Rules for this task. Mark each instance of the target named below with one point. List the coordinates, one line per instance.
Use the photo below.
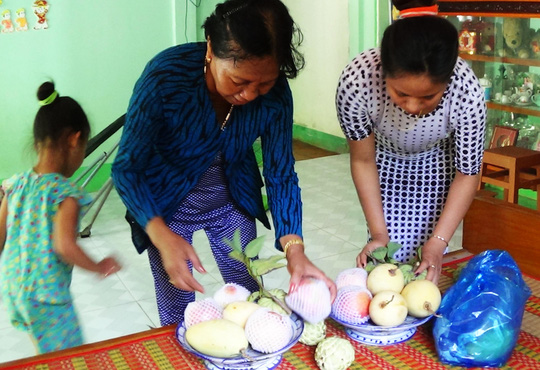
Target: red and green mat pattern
(162, 351)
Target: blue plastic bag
(481, 313)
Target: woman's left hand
(432, 256)
(300, 267)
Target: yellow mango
(217, 338)
(238, 312)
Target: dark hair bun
(45, 90)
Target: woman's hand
(108, 266)
(361, 259)
(432, 256)
(175, 252)
(300, 267)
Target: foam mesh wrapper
(268, 331)
(348, 306)
(353, 276)
(311, 300)
(202, 310)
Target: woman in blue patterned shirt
(186, 159)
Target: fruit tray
(252, 360)
(377, 335)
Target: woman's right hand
(108, 266)
(175, 253)
(361, 259)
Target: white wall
(94, 51)
(326, 50)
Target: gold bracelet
(292, 242)
(440, 238)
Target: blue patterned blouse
(171, 136)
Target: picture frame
(503, 136)
(536, 145)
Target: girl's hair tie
(50, 99)
(419, 12)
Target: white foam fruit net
(202, 310)
(311, 300)
(353, 276)
(268, 331)
(231, 292)
(352, 304)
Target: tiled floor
(334, 231)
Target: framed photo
(536, 145)
(503, 136)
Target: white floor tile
(115, 321)
(124, 303)
(15, 344)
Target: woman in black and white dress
(414, 116)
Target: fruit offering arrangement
(238, 329)
(229, 325)
(385, 298)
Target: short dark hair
(59, 118)
(243, 29)
(418, 45)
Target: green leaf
(252, 267)
(263, 271)
(419, 253)
(378, 254)
(265, 265)
(369, 266)
(239, 256)
(392, 247)
(235, 243)
(275, 258)
(254, 247)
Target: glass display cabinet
(501, 41)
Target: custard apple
(269, 303)
(313, 333)
(334, 353)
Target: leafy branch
(257, 267)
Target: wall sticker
(41, 8)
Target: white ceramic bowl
(376, 335)
(253, 359)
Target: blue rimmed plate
(377, 335)
(252, 360)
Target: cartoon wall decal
(20, 20)
(40, 8)
(7, 24)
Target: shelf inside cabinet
(531, 110)
(507, 60)
(491, 8)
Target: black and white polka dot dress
(416, 157)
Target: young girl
(39, 218)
